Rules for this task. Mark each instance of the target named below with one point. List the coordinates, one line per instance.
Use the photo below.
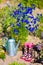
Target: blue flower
(16, 12)
(19, 5)
(22, 8)
(18, 24)
(18, 18)
(31, 29)
(37, 19)
(34, 22)
(34, 19)
(33, 4)
(28, 10)
(23, 20)
(20, 13)
(30, 17)
(26, 21)
(13, 15)
(15, 31)
(40, 14)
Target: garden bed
(30, 38)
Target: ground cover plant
(2, 55)
(16, 63)
(37, 3)
(40, 28)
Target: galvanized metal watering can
(11, 47)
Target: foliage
(0, 1)
(40, 28)
(16, 63)
(1, 28)
(8, 24)
(6, 19)
(37, 3)
(22, 33)
(2, 55)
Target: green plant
(16, 63)
(40, 28)
(37, 3)
(6, 20)
(2, 55)
(22, 33)
(0, 1)
(1, 28)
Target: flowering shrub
(16, 23)
(24, 15)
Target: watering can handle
(5, 39)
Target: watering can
(11, 47)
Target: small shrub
(2, 55)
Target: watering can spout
(18, 45)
